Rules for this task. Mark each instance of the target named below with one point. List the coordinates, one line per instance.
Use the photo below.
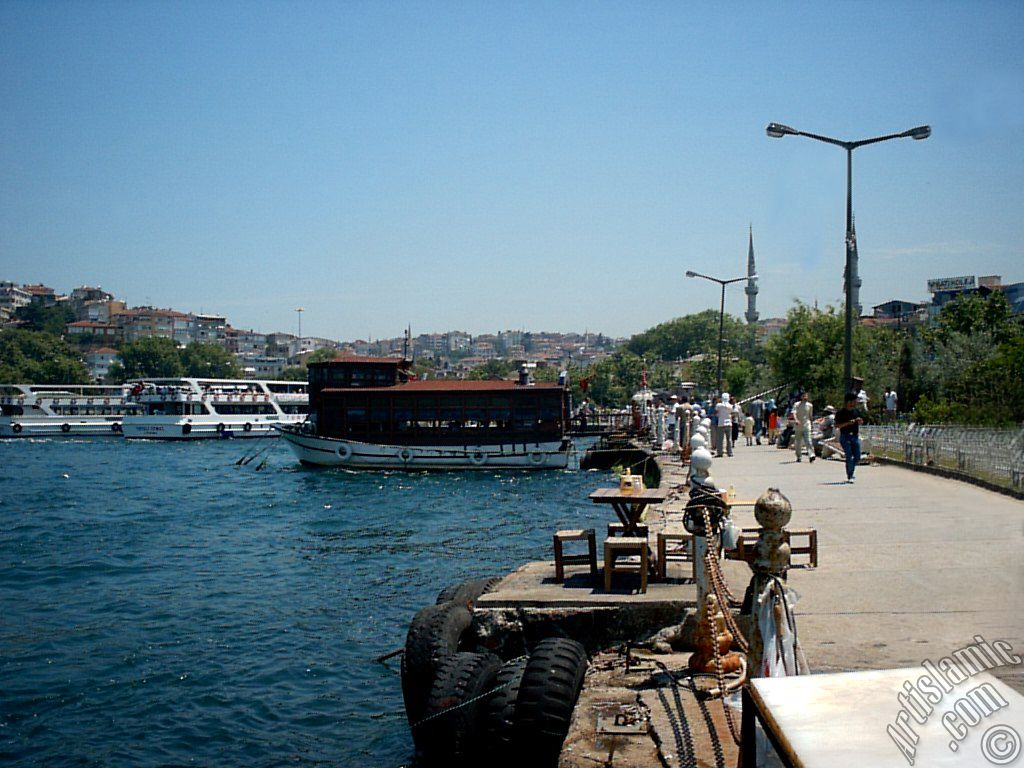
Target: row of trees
(40, 357)
(966, 367)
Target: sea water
(161, 604)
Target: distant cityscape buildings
(102, 323)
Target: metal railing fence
(993, 455)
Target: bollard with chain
(771, 561)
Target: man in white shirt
(891, 401)
(803, 412)
(723, 430)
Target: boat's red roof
(449, 385)
(361, 360)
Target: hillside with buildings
(99, 324)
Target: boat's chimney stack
(524, 374)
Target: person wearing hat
(826, 443)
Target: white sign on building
(963, 283)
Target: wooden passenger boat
(370, 413)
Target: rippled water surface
(160, 605)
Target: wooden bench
(683, 551)
(626, 547)
(589, 558)
(745, 550)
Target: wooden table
(839, 720)
(630, 505)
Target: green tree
(808, 352)
(973, 315)
(52, 320)
(492, 369)
(209, 361)
(31, 357)
(738, 377)
(322, 355)
(150, 358)
(294, 373)
(691, 334)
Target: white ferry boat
(196, 409)
(63, 410)
(369, 413)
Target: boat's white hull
(330, 452)
(193, 428)
(69, 426)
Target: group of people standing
(763, 419)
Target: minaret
(854, 259)
(751, 289)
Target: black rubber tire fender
(456, 737)
(547, 696)
(434, 633)
(467, 591)
(499, 713)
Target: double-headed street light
(777, 131)
(721, 312)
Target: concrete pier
(912, 567)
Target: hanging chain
(719, 586)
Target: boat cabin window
(175, 409)
(243, 409)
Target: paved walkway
(912, 566)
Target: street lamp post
(777, 131)
(721, 313)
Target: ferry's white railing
(986, 453)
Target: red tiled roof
(449, 385)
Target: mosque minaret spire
(751, 289)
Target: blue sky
(484, 165)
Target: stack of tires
(467, 707)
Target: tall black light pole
(721, 313)
(777, 131)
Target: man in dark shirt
(848, 421)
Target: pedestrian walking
(723, 429)
(803, 412)
(773, 425)
(848, 420)
(748, 430)
(757, 412)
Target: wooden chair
(618, 529)
(562, 559)
(683, 551)
(808, 546)
(625, 547)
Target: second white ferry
(63, 410)
(196, 409)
